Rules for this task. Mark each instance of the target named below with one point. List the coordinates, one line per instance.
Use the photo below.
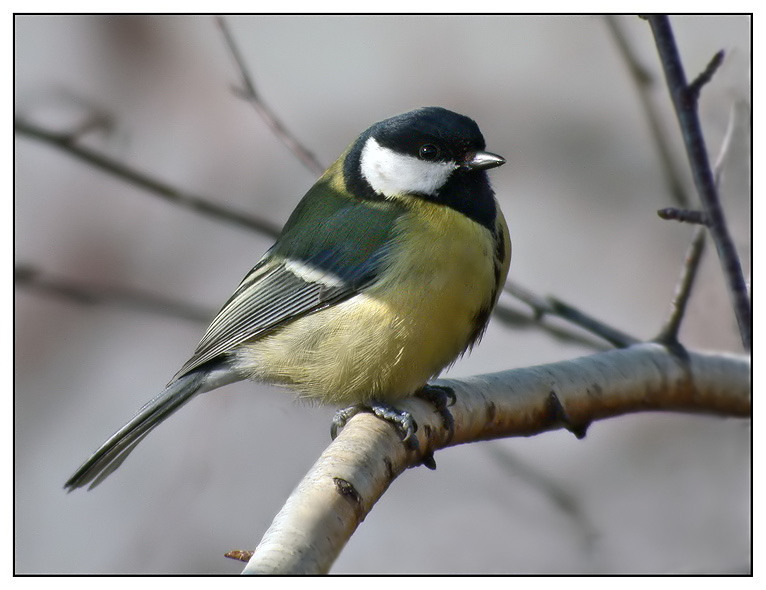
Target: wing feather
(332, 247)
(275, 293)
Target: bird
(384, 274)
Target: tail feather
(114, 451)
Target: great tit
(385, 273)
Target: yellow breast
(386, 342)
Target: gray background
(650, 492)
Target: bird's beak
(482, 161)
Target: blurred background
(646, 493)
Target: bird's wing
(321, 259)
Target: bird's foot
(441, 398)
(401, 420)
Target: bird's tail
(114, 451)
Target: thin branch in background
(644, 83)
(552, 306)
(612, 335)
(521, 320)
(684, 215)
(684, 98)
(35, 280)
(669, 333)
(97, 121)
(563, 499)
(67, 143)
(248, 92)
(93, 117)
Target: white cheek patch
(390, 173)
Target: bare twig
(67, 143)
(695, 216)
(684, 99)
(35, 280)
(684, 215)
(669, 333)
(705, 76)
(562, 498)
(98, 121)
(524, 320)
(249, 93)
(612, 335)
(552, 306)
(644, 83)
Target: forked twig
(684, 97)
(248, 92)
(552, 306)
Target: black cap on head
(454, 134)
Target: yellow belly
(386, 342)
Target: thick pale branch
(355, 470)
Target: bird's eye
(428, 152)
